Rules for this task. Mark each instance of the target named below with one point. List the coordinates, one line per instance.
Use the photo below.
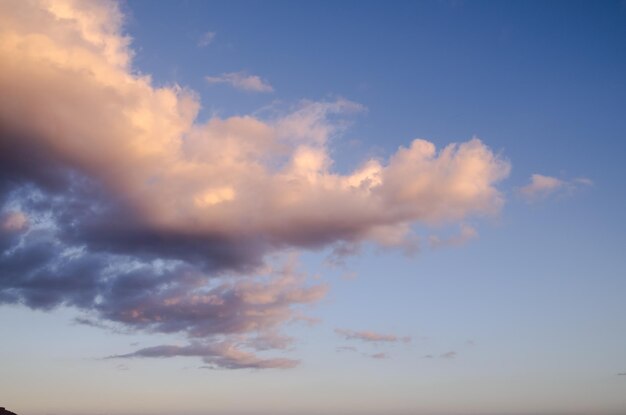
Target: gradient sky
(312, 208)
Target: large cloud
(116, 200)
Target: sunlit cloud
(13, 221)
(541, 186)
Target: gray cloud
(449, 355)
(217, 355)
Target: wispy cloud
(339, 253)
(541, 186)
(449, 355)
(346, 349)
(241, 81)
(217, 355)
(370, 336)
(465, 234)
(206, 39)
(379, 356)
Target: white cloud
(242, 81)
(206, 39)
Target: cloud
(379, 356)
(217, 355)
(341, 251)
(541, 186)
(117, 201)
(448, 355)
(242, 81)
(13, 222)
(206, 39)
(89, 322)
(465, 234)
(370, 336)
(346, 349)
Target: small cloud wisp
(241, 81)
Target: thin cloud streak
(541, 187)
(370, 336)
(217, 355)
(241, 81)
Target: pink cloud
(541, 186)
(370, 336)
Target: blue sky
(211, 241)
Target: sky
(311, 208)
